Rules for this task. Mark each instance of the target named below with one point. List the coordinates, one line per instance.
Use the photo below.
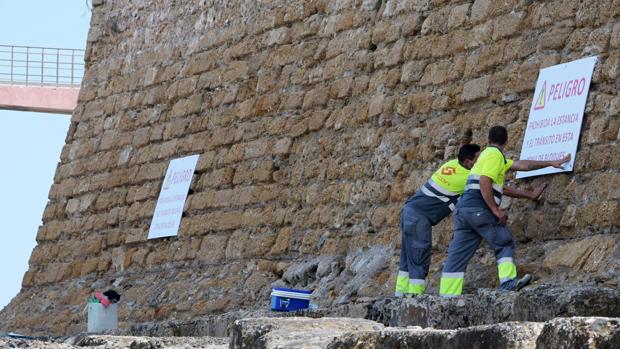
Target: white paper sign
(556, 114)
(169, 208)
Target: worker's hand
(500, 214)
(560, 163)
(535, 194)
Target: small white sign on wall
(169, 208)
(556, 114)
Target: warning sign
(556, 114)
(540, 101)
(169, 207)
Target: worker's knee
(421, 256)
(502, 237)
(422, 237)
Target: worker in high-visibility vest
(478, 216)
(428, 206)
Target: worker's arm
(486, 188)
(530, 165)
(532, 195)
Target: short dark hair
(468, 152)
(498, 135)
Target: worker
(478, 216)
(428, 206)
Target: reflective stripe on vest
(473, 183)
(432, 189)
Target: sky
(30, 143)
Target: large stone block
(588, 255)
(580, 332)
(293, 332)
(546, 302)
(504, 335)
(537, 304)
(475, 89)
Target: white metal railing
(41, 66)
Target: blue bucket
(286, 299)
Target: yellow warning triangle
(540, 102)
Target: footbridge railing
(41, 66)
(40, 79)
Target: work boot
(516, 285)
(524, 281)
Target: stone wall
(314, 121)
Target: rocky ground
(483, 307)
(101, 342)
(539, 317)
(344, 333)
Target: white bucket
(102, 319)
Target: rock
(588, 255)
(394, 338)
(537, 304)
(547, 301)
(475, 89)
(503, 335)
(103, 342)
(576, 332)
(580, 332)
(484, 307)
(298, 332)
(344, 333)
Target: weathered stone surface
(334, 333)
(545, 302)
(485, 307)
(504, 335)
(589, 255)
(580, 332)
(575, 332)
(212, 325)
(535, 304)
(475, 89)
(101, 342)
(294, 332)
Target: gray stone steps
(576, 332)
(350, 333)
(536, 304)
(117, 342)
(484, 307)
